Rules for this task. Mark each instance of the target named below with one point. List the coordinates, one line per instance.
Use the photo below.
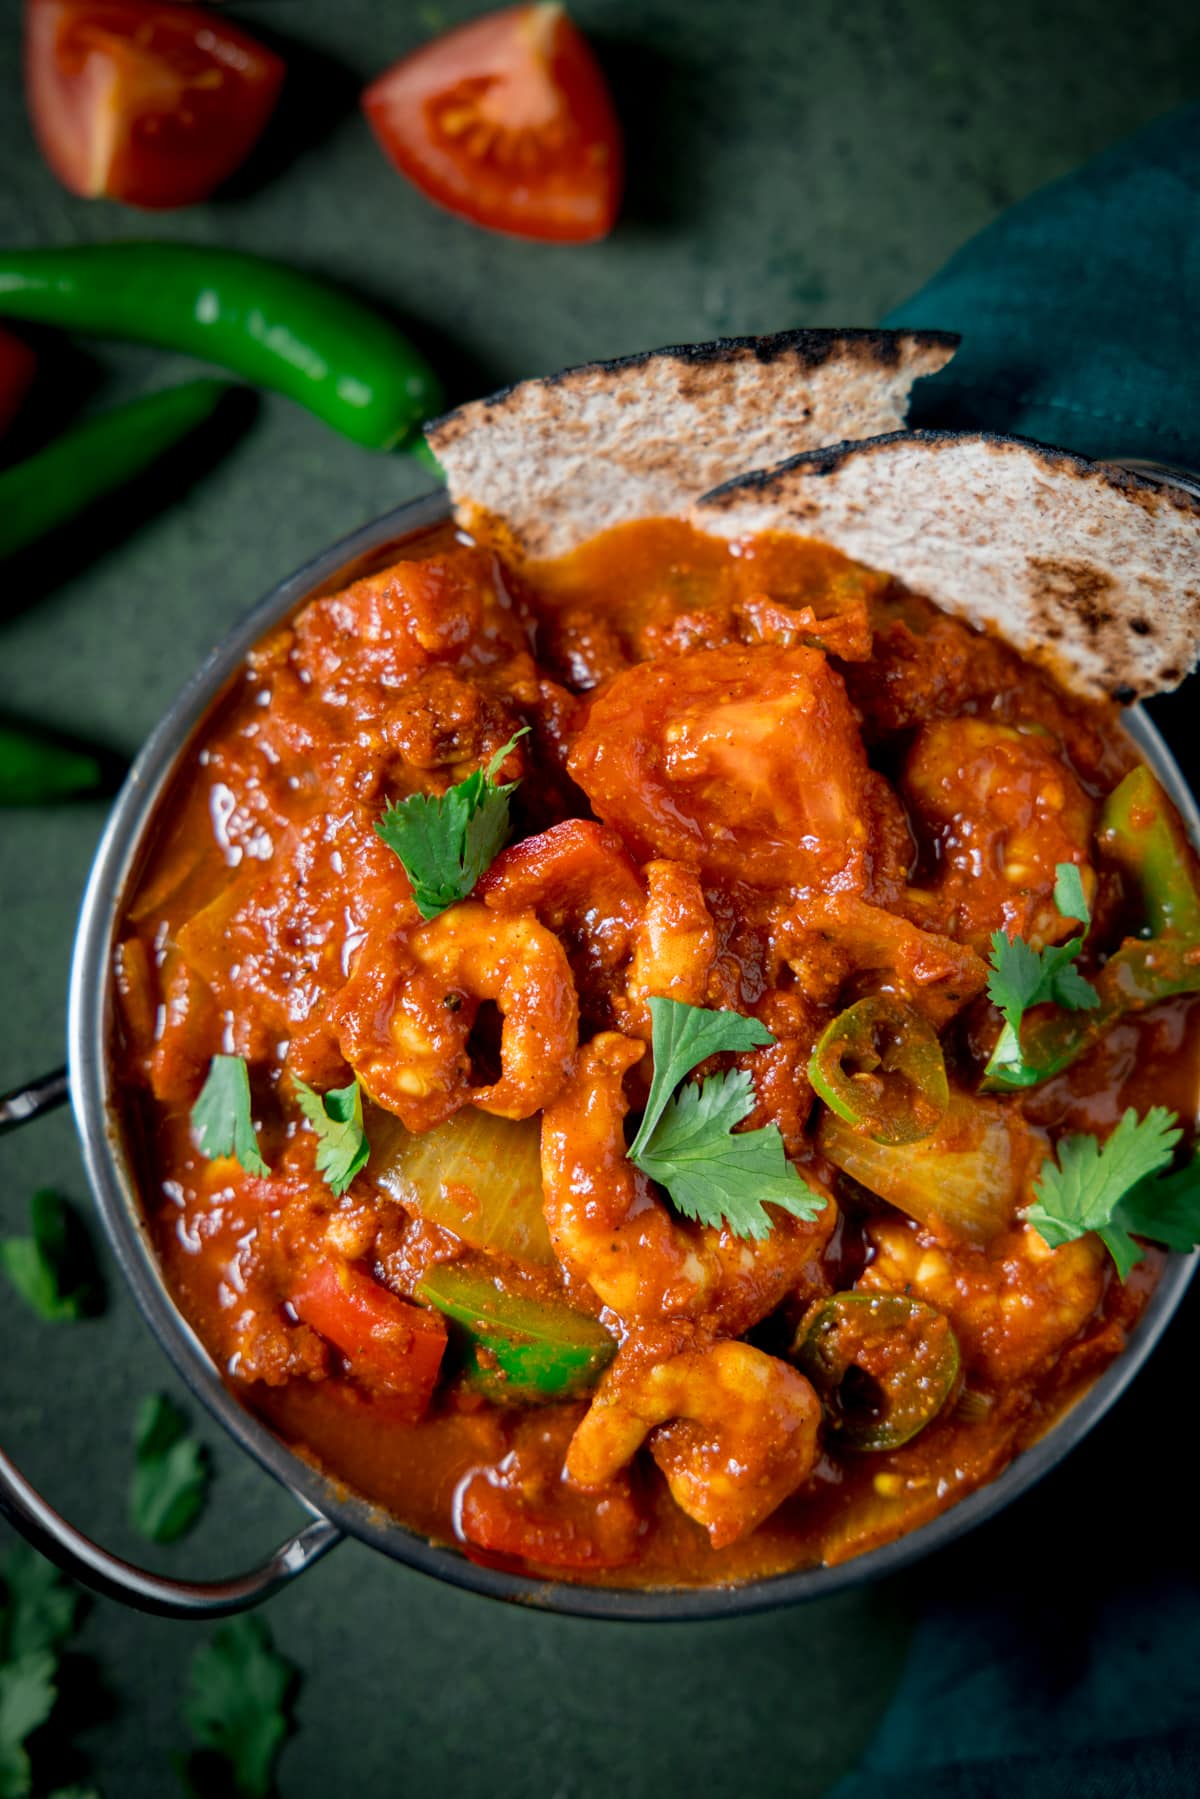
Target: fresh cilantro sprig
(1022, 977)
(687, 1142)
(237, 1708)
(170, 1473)
(337, 1119)
(222, 1118)
(446, 841)
(53, 1269)
(1109, 1188)
(1165, 1208)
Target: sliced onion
(966, 1177)
(477, 1175)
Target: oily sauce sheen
(756, 778)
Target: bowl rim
(88, 1028)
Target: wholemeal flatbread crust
(560, 459)
(1084, 567)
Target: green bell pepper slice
(1141, 832)
(879, 1066)
(517, 1348)
(884, 1365)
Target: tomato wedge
(508, 122)
(392, 1347)
(148, 103)
(17, 364)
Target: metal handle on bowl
(94, 1567)
(29, 1102)
(84, 1560)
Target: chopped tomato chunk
(147, 103)
(390, 1345)
(508, 122)
(522, 1509)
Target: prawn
(405, 1016)
(998, 810)
(610, 1229)
(733, 1429)
(580, 881)
(675, 945)
(1013, 1305)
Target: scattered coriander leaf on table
(27, 1695)
(170, 1475)
(39, 1611)
(39, 1608)
(237, 1704)
(1022, 977)
(1082, 1191)
(447, 841)
(53, 1269)
(337, 1118)
(688, 1144)
(222, 1117)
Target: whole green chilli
(270, 324)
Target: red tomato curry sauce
(755, 779)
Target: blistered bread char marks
(563, 458)
(1090, 569)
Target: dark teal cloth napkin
(1080, 308)
(1057, 1649)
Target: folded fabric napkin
(1057, 1653)
(1080, 308)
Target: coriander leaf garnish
(338, 1121)
(1083, 1191)
(221, 1117)
(170, 1475)
(1069, 896)
(53, 1269)
(1022, 977)
(687, 1143)
(447, 841)
(683, 1036)
(237, 1703)
(1165, 1208)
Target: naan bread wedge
(558, 460)
(1089, 569)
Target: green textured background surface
(788, 166)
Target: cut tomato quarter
(148, 103)
(508, 122)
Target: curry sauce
(752, 778)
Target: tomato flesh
(17, 364)
(392, 1347)
(508, 122)
(148, 103)
(523, 1510)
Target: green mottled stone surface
(790, 164)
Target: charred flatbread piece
(560, 459)
(1084, 567)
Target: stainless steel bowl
(333, 1513)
